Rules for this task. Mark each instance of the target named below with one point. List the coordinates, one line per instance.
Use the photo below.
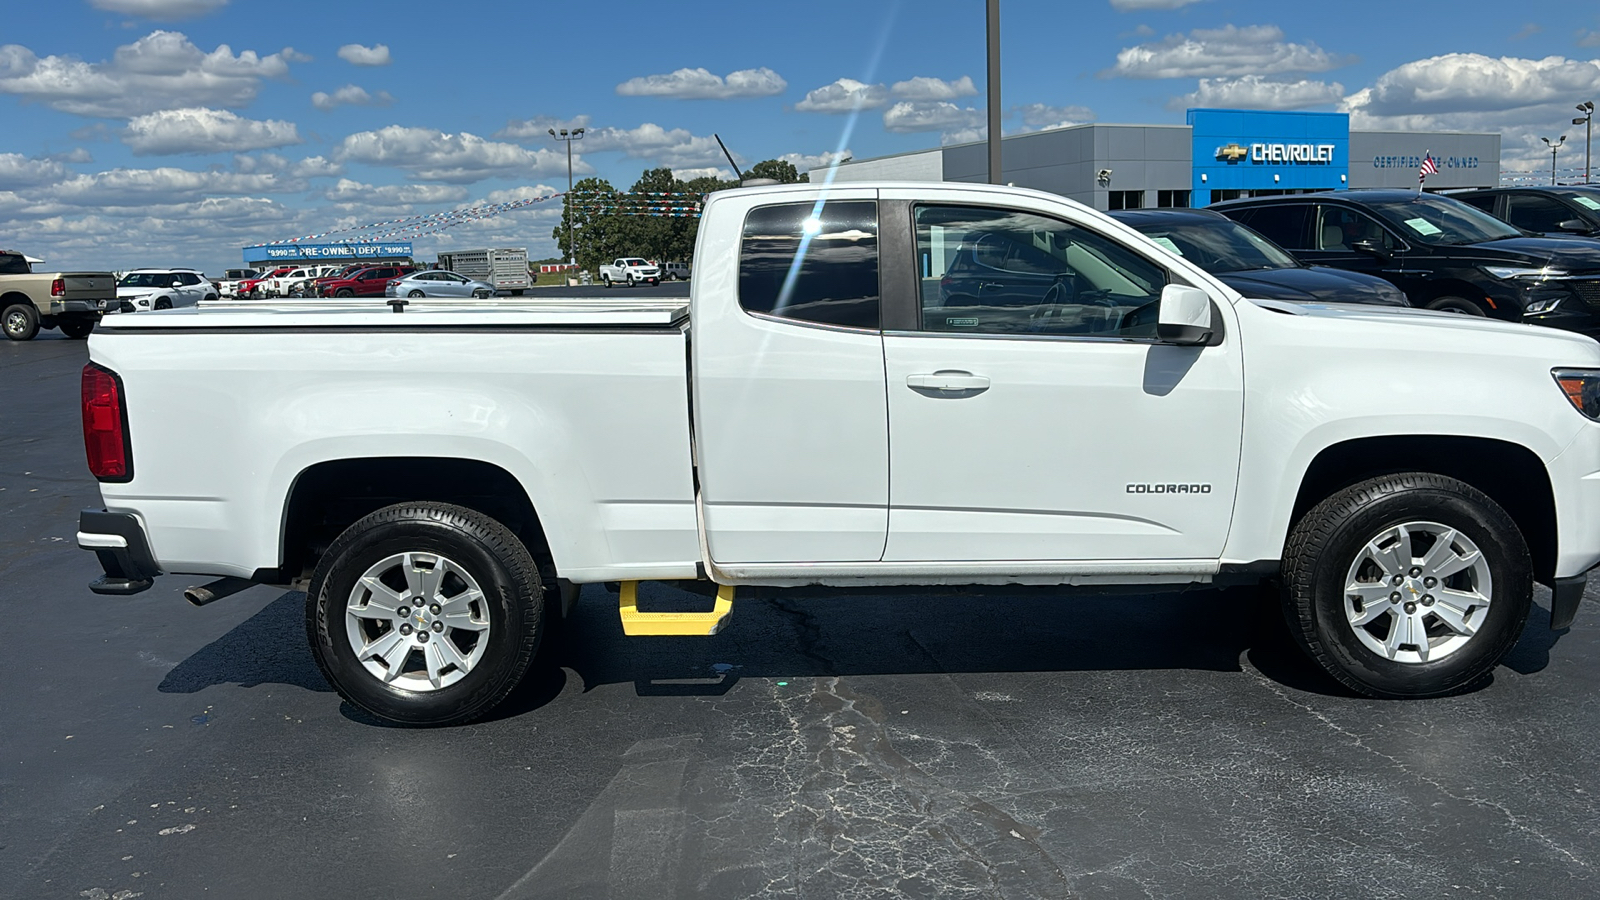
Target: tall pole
(994, 91)
(567, 138)
(1587, 108)
(1554, 146)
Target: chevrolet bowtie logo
(1232, 152)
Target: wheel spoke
(448, 654)
(1396, 558)
(381, 646)
(1402, 631)
(1370, 593)
(1368, 614)
(1452, 607)
(1457, 563)
(457, 612)
(435, 662)
(381, 603)
(1441, 552)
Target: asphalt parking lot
(961, 743)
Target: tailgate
(88, 285)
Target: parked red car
(346, 272)
(368, 282)
(247, 288)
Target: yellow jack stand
(635, 622)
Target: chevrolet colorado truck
(629, 271)
(830, 408)
(71, 301)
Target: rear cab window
(812, 262)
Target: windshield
(1218, 246)
(1588, 198)
(634, 262)
(1441, 221)
(146, 279)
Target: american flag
(1428, 168)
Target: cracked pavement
(962, 743)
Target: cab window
(1340, 229)
(997, 271)
(1537, 213)
(812, 262)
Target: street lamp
(567, 138)
(993, 21)
(1587, 121)
(1553, 148)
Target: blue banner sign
(378, 250)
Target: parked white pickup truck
(630, 271)
(897, 384)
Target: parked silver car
(437, 283)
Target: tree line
(603, 231)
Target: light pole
(994, 90)
(1553, 148)
(1587, 121)
(567, 138)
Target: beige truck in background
(70, 301)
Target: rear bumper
(119, 541)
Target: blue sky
(173, 132)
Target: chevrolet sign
(1232, 153)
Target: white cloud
(526, 192)
(1042, 116)
(909, 116)
(165, 10)
(350, 95)
(964, 135)
(1255, 92)
(162, 70)
(201, 130)
(843, 96)
(701, 84)
(18, 171)
(1223, 52)
(1587, 38)
(806, 162)
(1137, 5)
(538, 127)
(290, 54)
(722, 172)
(431, 155)
(166, 185)
(392, 196)
(75, 155)
(925, 88)
(357, 55)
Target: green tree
(781, 171)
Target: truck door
(1055, 430)
(791, 420)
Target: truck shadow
(819, 632)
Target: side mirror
(177, 283)
(1185, 316)
(1575, 226)
(1372, 247)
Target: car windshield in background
(1220, 246)
(635, 262)
(1588, 198)
(1430, 220)
(146, 279)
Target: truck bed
(584, 403)
(601, 311)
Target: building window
(1125, 200)
(1172, 199)
(1228, 194)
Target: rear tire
(1457, 305)
(20, 321)
(488, 594)
(415, 294)
(344, 292)
(1410, 585)
(606, 280)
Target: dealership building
(1221, 154)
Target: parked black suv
(1251, 264)
(1547, 209)
(1443, 253)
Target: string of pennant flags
(674, 204)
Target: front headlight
(1582, 387)
(1523, 272)
(1541, 306)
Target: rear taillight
(58, 287)
(105, 425)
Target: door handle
(948, 380)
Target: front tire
(163, 303)
(77, 329)
(20, 321)
(415, 294)
(1457, 305)
(425, 613)
(344, 292)
(1406, 586)
(606, 280)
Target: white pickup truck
(896, 384)
(630, 270)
